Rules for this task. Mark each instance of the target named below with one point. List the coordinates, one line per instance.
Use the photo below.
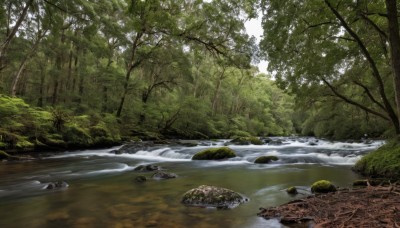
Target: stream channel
(102, 190)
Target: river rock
(147, 168)
(134, 147)
(246, 141)
(211, 196)
(57, 185)
(215, 154)
(163, 175)
(265, 159)
(140, 179)
(323, 186)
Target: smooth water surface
(102, 191)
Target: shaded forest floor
(361, 207)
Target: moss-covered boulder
(246, 141)
(384, 162)
(292, 190)
(211, 196)
(215, 154)
(323, 186)
(265, 159)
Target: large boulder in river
(265, 159)
(211, 196)
(215, 154)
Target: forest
(95, 73)
(105, 104)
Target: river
(102, 191)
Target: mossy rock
(247, 141)
(292, 190)
(323, 186)
(215, 154)
(384, 162)
(265, 159)
(211, 196)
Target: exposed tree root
(367, 207)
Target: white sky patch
(254, 28)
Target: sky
(253, 28)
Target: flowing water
(102, 191)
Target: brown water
(102, 191)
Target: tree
(342, 45)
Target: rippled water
(102, 191)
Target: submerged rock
(323, 186)
(211, 196)
(147, 168)
(215, 154)
(163, 175)
(57, 185)
(265, 159)
(140, 179)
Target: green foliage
(322, 186)
(265, 159)
(384, 162)
(214, 154)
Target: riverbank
(372, 206)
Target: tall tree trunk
(11, 35)
(133, 63)
(41, 89)
(394, 40)
(24, 62)
(216, 92)
(18, 77)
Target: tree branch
(375, 72)
(344, 98)
(368, 92)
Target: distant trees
(172, 67)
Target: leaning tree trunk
(394, 40)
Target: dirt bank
(363, 207)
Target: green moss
(215, 154)
(322, 186)
(77, 136)
(384, 162)
(292, 190)
(24, 144)
(98, 131)
(265, 159)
